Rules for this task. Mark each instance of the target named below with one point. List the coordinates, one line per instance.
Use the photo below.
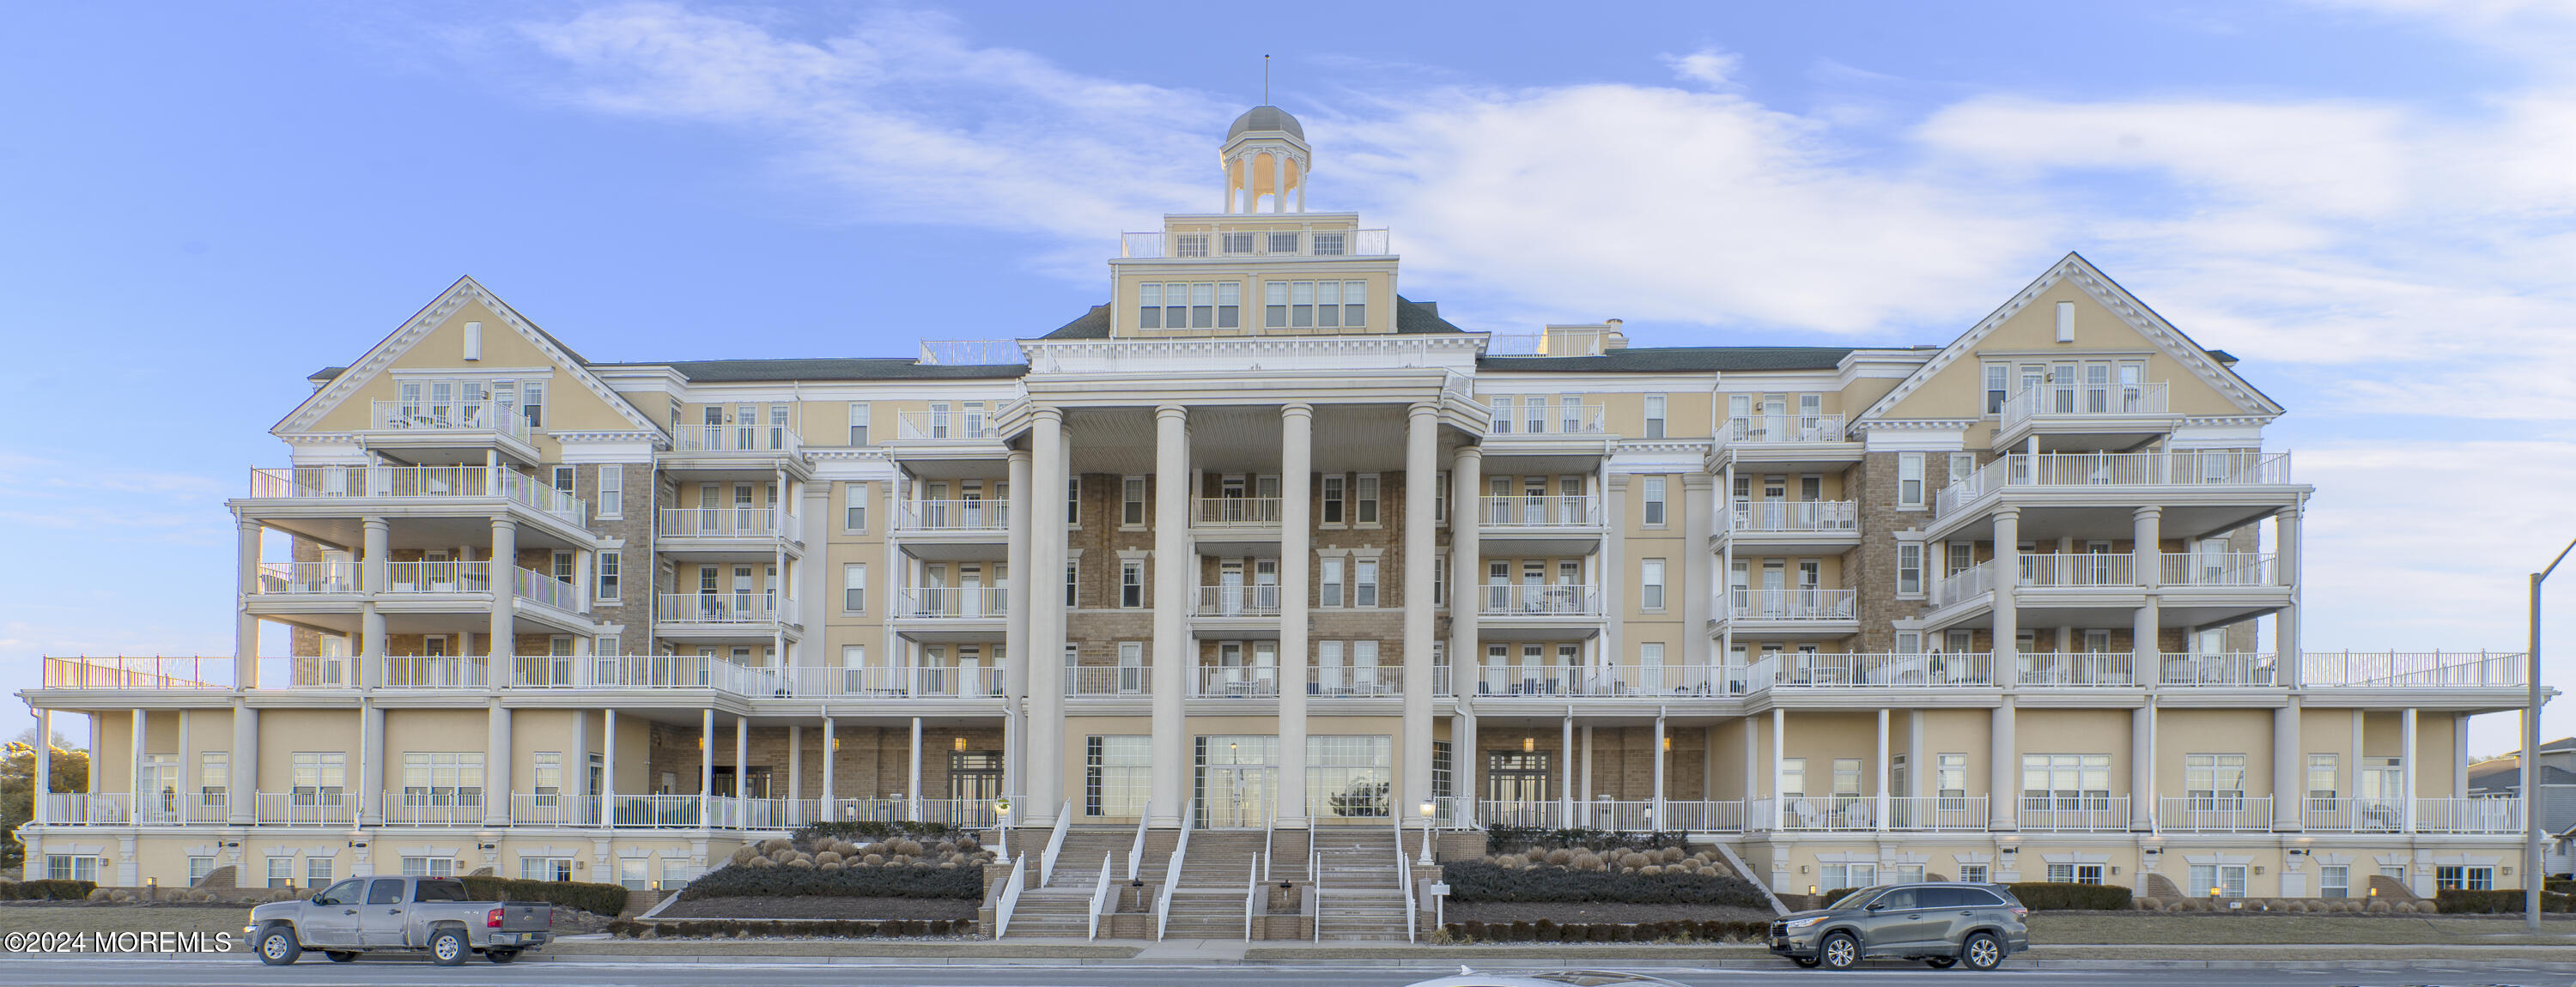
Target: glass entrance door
(1236, 779)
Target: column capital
(2013, 513)
(1423, 409)
(1698, 481)
(1468, 452)
(1019, 456)
(500, 521)
(1162, 411)
(375, 523)
(1057, 414)
(2149, 511)
(1298, 408)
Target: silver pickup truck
(409, 914)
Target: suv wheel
(277, 947)
(1839, 951)
(1983, 952)
(447, 947)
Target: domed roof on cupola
(1265, 118)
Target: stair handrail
(1404, 875)
(1267, 829)
(1055, 844)
(1251, 892)
(1100, 893)
(1172, 876)
(1315, 882)
(1010, 898)
(1136, 850)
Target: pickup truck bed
(399, 914)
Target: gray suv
(1940, 924)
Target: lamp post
(1427, 809)
(2533, 876)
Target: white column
(497, 754)
(1045, 660)
(607, 767)
(1567, 778)
(2142, 766)
(2003, 771)
(1884, 802)
(706, 765)
(742, 760)
(795, 774)
(373, 541)
(1752, 770)
(1296, 532)
(1779, 759)
(1018, 662)
(1585, 768)
(2289, 778)
(505, 581)
(1278, 182)
(245, 624)
(832, 759)
(912, 781)
(242, 798)
(2406, 773)
(2285, 624)
(1658, 821)
(1421, 477)
(1915, 766)
(134, 767)
(44, 778)
(1466, 548)
(1464, 762)
(2007, 657)
(2147, 556)
(1172, 575)
(371, 764)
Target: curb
(1508, 963)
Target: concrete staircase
(1361, 896)
(1061, 910)
(1208, 904)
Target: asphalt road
(246, 972)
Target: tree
(18, 791)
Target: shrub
(1514, 839)
(858, 882)
(597, 899)
(46, 890)
(2044, 897)
(1471, 880)
(2458, 902)
(873, 830)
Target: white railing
(1109, 680)
(1258, 600)
(544, 809)
(1801, 670)
(901, 681)
(180, 672)
(2412, 669)
(1315, 889)
(438, 577)
(971, 352)
(434, 808)
(2078, 670)
(2219, 569)
(1172, 874)
(2087, 814)
(656, 811)
(2092, 469)
(946, 426)
(1936, 813)
(1643, 681)
(1830, 812)
(743, 607)
(407, 482)
(2075, 399)
(1211, 243)
(1964, 585)
(1099, 898)
(437, 672)
(1549, 814)
(2059, 571)
(2343, 815)
(2216, 671)
(2487, 814)
(1237, 512)
(726, 522)
(970, 514)
(953, 602)
(1136, 850)
(1539, 511)
(1795, 516)
(1789, 604)
(83, 809)
(323, 807)
(1535, 415)
(1404, 873)
(2229, 813)
(1234, 682)
(1055, 844)
(302, 578)
(1526, 600)
(1702, 815)
(736, 438)
(475, 416)
(1616, 815)
(1252, 892)
(545, 590)
(1783, 427)
(1349, 681)
(1010, 899)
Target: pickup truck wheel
(340, 955)
(277, 947)
(447, 947)
(501, 955)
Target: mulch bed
(1612, 913)
(822, 906)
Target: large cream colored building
(1982, 610)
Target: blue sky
(2368, 201)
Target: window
(1950, 776)
(1364, 491)
(1972, 873)
(1072, 583)
(1347, 776)
(1793, 777)
(1117, 775)
(606, 577)
(214, 778)
(1236, 243)
(561, 563)
(532, 403)
(1190, 245)
(1650, 578)
(1331, 594)
(1909, 479)
(1186, 305)
(1836, 877)
(1998, 383)
(2452, 877)
(1364, 582)
(546, 779)
(1313, 304)
(612, 490)
(317, 871)
(2214, 781)
(563, 478)
(2075, 873)
(1073, 501)
(607, 644)
(1502, 414)
(1963, 555)
(545, 868)
(2065, 782)
(424, 867)
(443, 778)
(854, 587)
(1333, 499)
(2321, 782)
(1654, 502)
(1909, 568)
(1131, 584)
(1131, 506)
(2334, 881)
(859, 423)
(2223, 880)
(2066, 322)
(854, 507)
(1330, 244)
(281, 872)
(317, 777)
(1654, 416)
(1847, 776)
(1283, 243)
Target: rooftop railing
(1152, 244)
(2077, 400)
(2412, 669)
(450, 416)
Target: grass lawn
(2150, 928)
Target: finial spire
(1265, 80)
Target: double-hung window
(1909, 568)
(1334, 499)
(612, 490)
(1315, 304)
(858, 423)
(1654, 486)
(1364, 492)
(1909, 479)
(1132, 502)
(1364, 582)
(1131, 584)
(1330, 594)
(2334, 881)
(2075, 873)
(1654, 416)
(1650, 578)
(854, 587)
(854, 510)
(2214, 782)
(604, 573)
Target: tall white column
(607, 767)
(1296, 552)
(1567, 780)
(43, 783)
(2007, 652)
(1421, 479)
(2285, 624)
(831, 760)
(1172, 576)
(497, 755)
(2003, 770)
(706, 765)
(371, 763)
(1018, 663)
(1779, 759)
(1048, 476)
(1466, 515)
(2289, 778)
(1590, 791)
(912, 783)
(795, 774)
(241, 799)
(742, 765)
(2142, 766)
(1884, 801)
(1659, 822)
(2147, 557)
(1278, 183)
(134, 766)
(505, 579)
(375, 536)
(1751, 783)
(2406, 773)
(245, 624)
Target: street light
(1427, 809)
(2533, 874)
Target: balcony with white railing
(1333, 241)
(1518, 600)
(553, 809)
(962, 425)
(760, 523)
(327, 806)
(1258, 600)
(1535, 417)
(426, 578)
(1817, 606)
(1809, 670)
(449, 418)
(1236, 512)
(2077, 571)
(1108, 681)
(2076, 813)
(430, 807)
(1505, 514)
(307, 578)
(2053, 471)
(1355, 681)
(2217, 671)
(2343, 815)
(1764, 517)
(2051, 670)
(1936, 813)
(724, 610)
(2412, 669)
(2225, 812)
(1757, 431)
(744, 439)
(1829, 812)
(1234, 682)
(546, 591)
(952, 602)
(903, 682)
(1964, 585)
(2479, 815)
(2094, 405)
(413, 484)
(964, 516)
(2219, 569)
(1635, 681)
(437, 672)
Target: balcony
(748, 440)
(2077, 814)
(1789, 612)
(2070, 472)
(2050, 670)
(1234, 682)
(2217, 671)
(1260, 600)
(952, 603)
(413, 485)
(1786, 442)
(1616, 816)
(737, 614)
(2223, 813)
(1795, 517)
(195, 673)
(1108, 681)
(1532, 417)
(1537, 601)
(762, 525)
(2412, 670)
(970, 516)
(1196, 243)
(307, 578)
(1652, 682)
(1810, 670)
(434, 807)
(967, 425)
(439, 672)
(2343, 815)
(1356, 681)
(324, 807)
(1501, 516)
(2099, 415)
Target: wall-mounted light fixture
(1529, 744)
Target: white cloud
(1707, 66)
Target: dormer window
(1190, 245)
(1283, 243)
(1238, 243)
